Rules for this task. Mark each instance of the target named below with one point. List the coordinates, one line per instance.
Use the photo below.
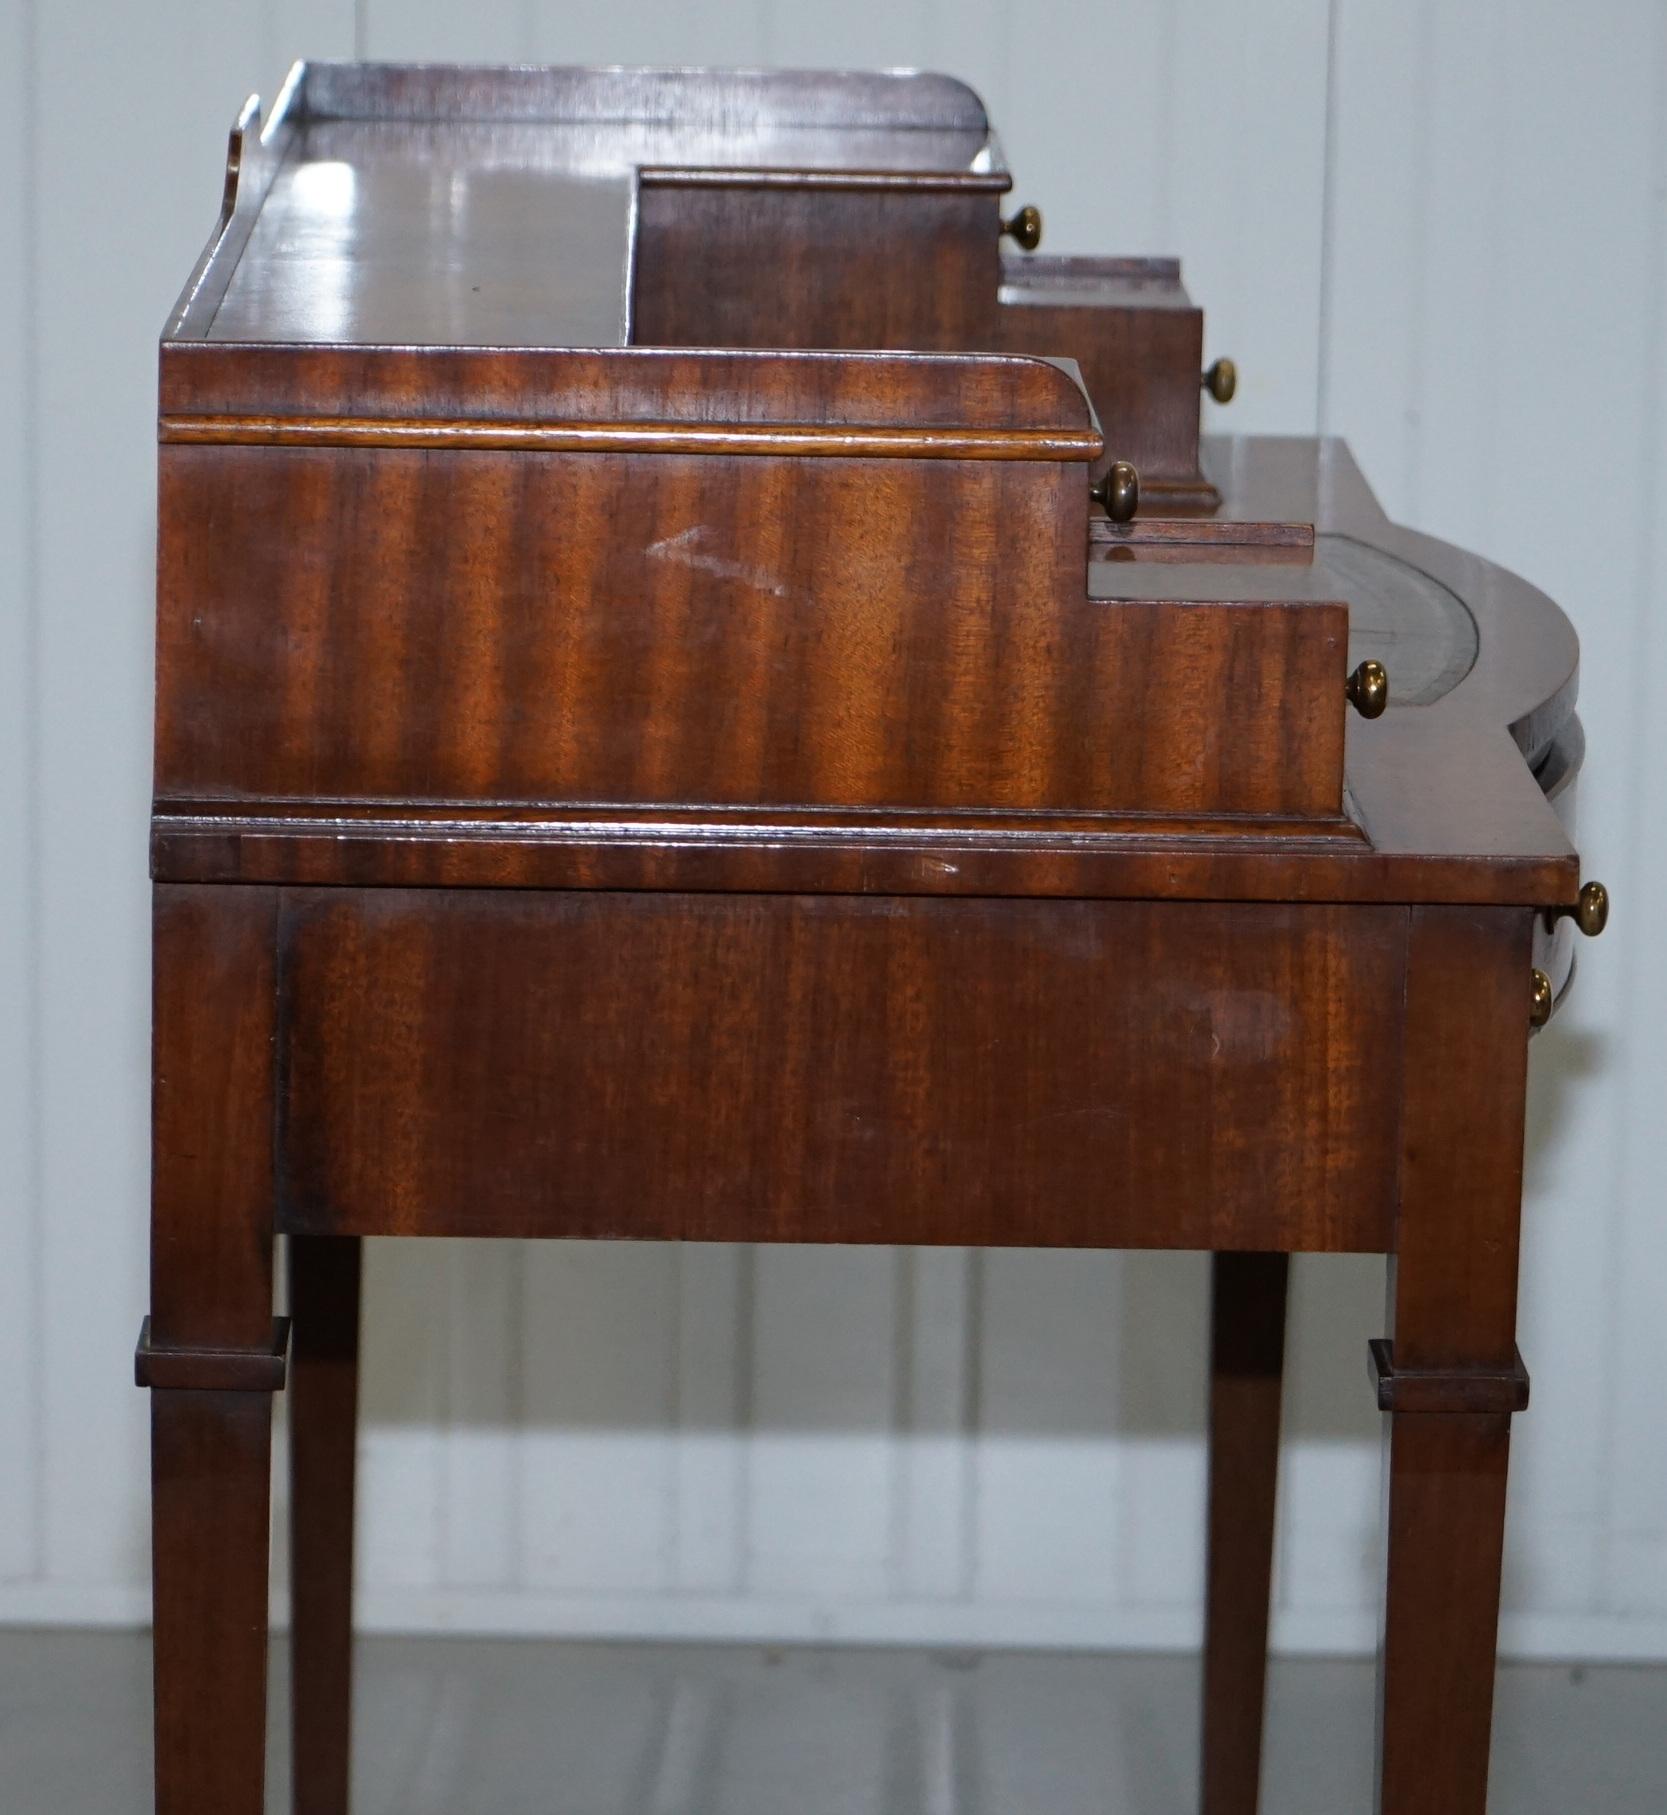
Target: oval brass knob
(1591, 909)
(1368, 689)
(1539, 999)
(1222, 380)
(1025, 227)
(1118, 491)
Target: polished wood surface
(1401, 832)
(324, 1290)
(1453, 1305)
(323, 234)
(210, 1513)
(1140, 344)
(834, 287)
(213, 1027)
(423, 664)
(214, 1006)
(1247, 1378)
(755, 792)
(768, 1068)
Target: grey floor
(473, 1727)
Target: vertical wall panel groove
(1633, 1566)
(713, 1360)
(20, 1433)
(931, 1556)
(480, 1466)
(1512, 220)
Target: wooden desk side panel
(733, 630)
(800, 1068)
(784, 266)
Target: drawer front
(756, 1068)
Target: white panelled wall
(1439, 229)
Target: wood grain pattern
(802, 440)
(1247, 1377)
(1454, 1285)
(831, 279)
(769, 1068)
(1139, 342)
(1460, 1186)
(214, 1007)
(710, 101)
(211, 1514)
(324, 1288)
(215, 1001)
(699, 387)
(770, 632)
(1113, 857)
(1446, 1527)
(1495, 840)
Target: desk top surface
(417, 205)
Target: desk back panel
(799, 1068)
(803, 264)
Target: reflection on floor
(500, 1728)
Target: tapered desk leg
(1446, 1524)
(210, 1350)
(323, 1431)
(210, 1493)
(1247, 1365)
(1451, 1378)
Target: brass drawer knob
(1025, 227)
(1539, 999)
(1118, 491)
(1591, 909)
(1368, 689)
(1222, 380)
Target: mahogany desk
(611, 787)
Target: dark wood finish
(1446, 1525)
(213, 1022)
(824, 1069)
(425, 661)
(1187, 537)
(831, 279)
(751, 793)
(1139, 340)
(656, 390)
(1247, 1375)
(1411, 835)
(1114, 857)
(214, 1369)
(580, 150)
(211, 1463)
(214, 1004)
(1445, 1389)
(714, 107)
(1454, 1286)
(324, 1279)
